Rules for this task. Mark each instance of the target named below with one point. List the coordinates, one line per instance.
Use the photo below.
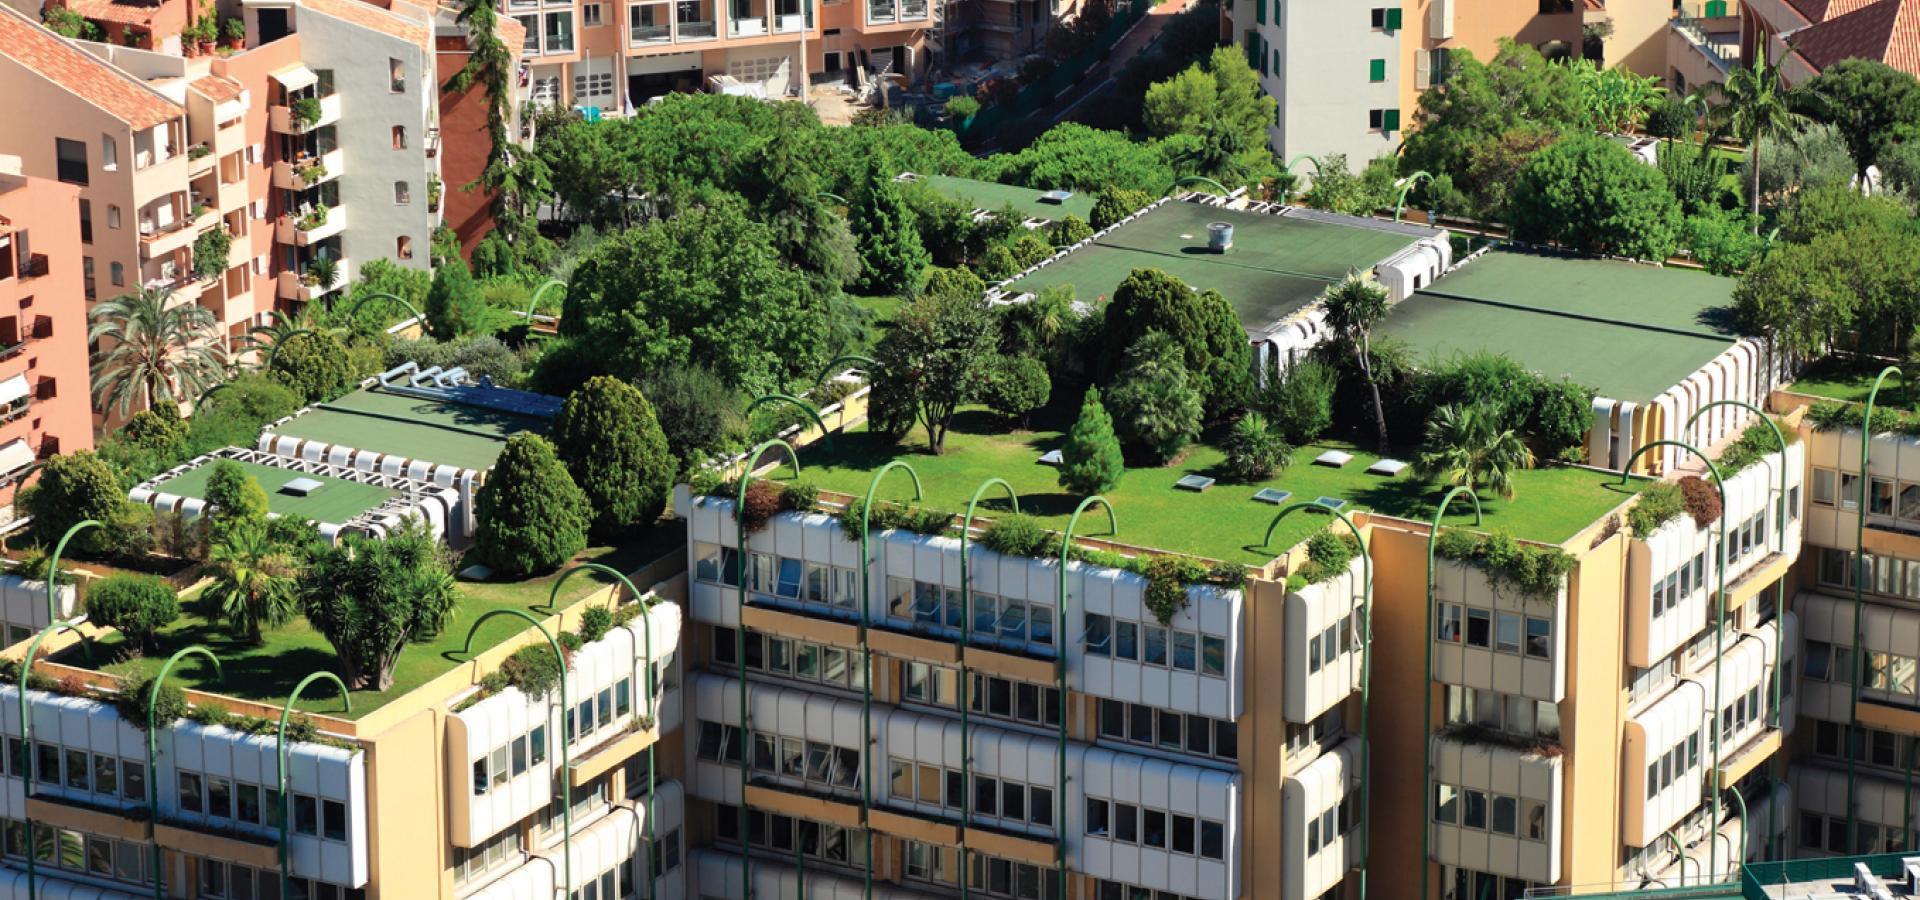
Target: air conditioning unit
(1440, 20)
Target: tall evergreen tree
(892, 259)
(613, 446)
(455, 306)
(1090, 462)
(532, 516)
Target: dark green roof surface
(470, 437)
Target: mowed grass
(1224, 523)
(1849, 381)
(268, 672)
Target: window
(86, 221)
(1447, 623)
(113, 216)
(1479, 628)
(109, 153)
(396, 76)
(117, 273)
(1823, 487)
(1539, 637)
(401, 195)
(1387, 120)
(1386, 18)
(403, 247)
(559, 32)
(1376, 70)
(71, 161)
(591, 16)
(399, 137)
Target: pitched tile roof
(217, 88)
(124, 12)
(1886, 31)
(51, 56)
(366, 15)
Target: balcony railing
(746, 26)
(698, 31)
(12, 350)
(646, 35)
(15, 410)
(34, 266)
(1724, 54)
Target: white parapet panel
(716, 874)
(1316, 852)
(1323, 654)
(1497, 809)
(616, 839)
(1489, 636)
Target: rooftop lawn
(1850, 380)
(992, 196)
(1278, 264)
(268, 672)
(1223, 523)
(338, 502)
(467, 436)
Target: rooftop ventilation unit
(302, 487)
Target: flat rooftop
(1278, 264)
(993, 197)
(1629, 331)
(335, 501)
(436, 430)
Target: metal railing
(1696, 34)
(643, 35)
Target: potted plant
(306, 111)
(235, 31)
(433, 193)
(324, 272)
(312, 173)
(313, 219)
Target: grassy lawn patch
(268, 672)
(1849, 381)
(1223, 523)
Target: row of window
(1501, 632)
(1508, 713)
(818, 764)
(1829, 833)
(1885, 496)
(1889, 673)
(1010, 802)
(471, 863)
(108, 776)
(510, 760)
(75, 851)
(989, 875)
(1155, 645)
(1333, 822)
(1336, 641)
(1465, 884)
(1131, 824)
(940, 608)
(558, 33)
(252, 804)
(1679, 584)
(787, 835)
(1324, 731)
(1113, 890)
(221, 880)
(1152, 727)
(795, 659)
(1674, 764)
(1885, 574)
(1870, 746)
(598, 711)
(1486, 811)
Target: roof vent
(1056, 197)
(1219, 236)
(302, 487)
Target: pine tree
(455, 306)
(532, 516)
(1090, 462)
(612, 444)
(892, 259)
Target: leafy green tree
(1255, 449)
(360, 313)
(1071, 230)
(1221, 103)
(1074, 157)
(936, 358)
(1833, 209)
(806, 231)
(210, 251)
(1155, 407)
(156, 350)
(1300, 405)
(953, 284)
(1756, 108)
(1722, 241)
(1115, 204)
(892, 259)
(370, 596)
(1480, 102)
(1017, 385)
(1806, 296)
(253, 581)
(1353, 307)
(1494, 166)
(1869, 102)
(1591, 194)
(1213, 343)
(74, 487)
(1090, 461)
(698, 412)
(236, 498)
(158, 430)
(138, 605)
(1467, 446)
(614, 448)
(1615, 99)
(533, 517)
(705, 288)
(1037, 327)
(455, 306)
(315, 366)
(1335, 189)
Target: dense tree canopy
(1592, 195)
(1486, 107)
(612, 444)
(369, 597)
(1869, 102)
(1202, 324)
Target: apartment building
(43, 326)
(1803, 37)
(1349, 78)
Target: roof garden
(417, 427)
(1630, 331)
(1224, 522)
(993, 197)
(1278, 264)
(1850, 379)
(268, 672)
(336, 500)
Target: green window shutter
(1276, 62)
(1276, 12)
(1390, 120)
(1260, 11)
(1393, 18)
(1376, 70)
(1253, 49)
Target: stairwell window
(396, 76)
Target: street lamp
(966, 684)
(153, 756)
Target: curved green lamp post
(1426, 679)
(966, 683)
(153, 756)
(829, 195)
(871, 364)
(1179, 183)
(740, 644)
(1779, 587)
(776, 397)
(1366, 661)
(1406, 185)
(533, 302)
(53, 564)
(646, 632)
(25, 762)
(390, 298)
(1856, 671)
(866, 660)
(566, 764)
(1719, 624)
(1679, 852)
(1060, 675)
(280, 754)
(1307, 157)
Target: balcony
(310, 228)
(158, 240)
(308, 171)
(282, 120)
(200, 159)
(747, 26)
(298, 287)
(432, 143)
(697, 30)
(650, 35)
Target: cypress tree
(612, 444)
(892, 259)
(533, 518)
(1090, 462)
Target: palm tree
(1466, 446)
(253, 581)
(1352, 308)
(1758, 107)
(155, 351)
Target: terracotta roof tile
(87, 77)
(1887, 31)
(217, 88)
(373, 17)
(124, 12)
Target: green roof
(1278, 264)
(1628, 331)
(337, 501)
(455, 434)
(992, 196)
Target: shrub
(697, 411)
(764, 499)
(455, 306)
(532, 516)
(1254, 450)
(1328, 555)
(1301, 404)
(1659, 504)
(533, 669)
(210, 251)
(1832, 415)
(132, 703)
(315, 366)
(1016, 534)
(1017, 385)
(138, 605)
(1534, 571)
(73, 487)
(1456, 544)
(213, 713)
(956, 283)
(1071, 230)
(1167, 580)
(799, 496)
(595, 622)
(1090, 461)
(158, 430)
(960, 109)
(614, 449)
(1115, 204)
(930, 522)
(235, 497)
(1701, 499)
(1753, 445)
(1155, 406)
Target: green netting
(1032, 97)
(336, 501)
